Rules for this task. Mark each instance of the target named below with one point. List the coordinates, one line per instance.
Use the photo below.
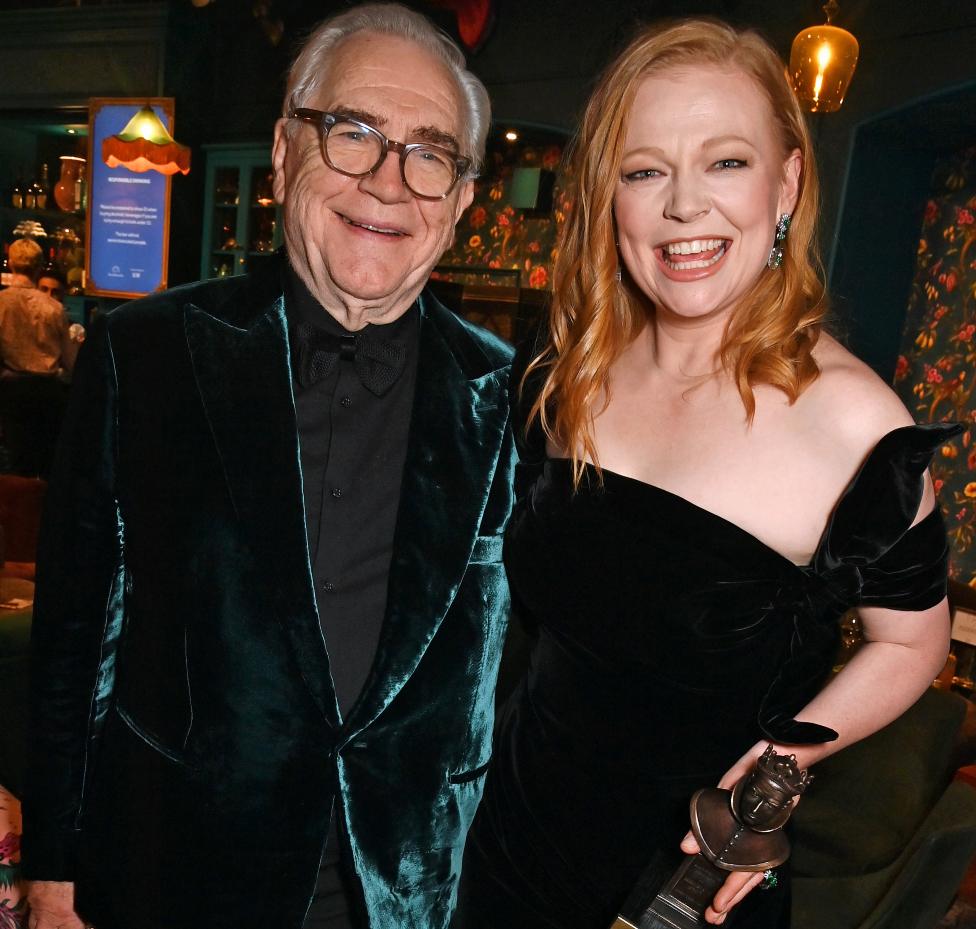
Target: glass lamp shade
(822, 63)
(145, 145)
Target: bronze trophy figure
(736, 830)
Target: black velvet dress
(668, 642)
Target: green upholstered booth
(884, 835)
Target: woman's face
(702, 183)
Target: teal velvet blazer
(186, 744)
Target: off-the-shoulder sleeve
(870, 555)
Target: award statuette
(736, 830)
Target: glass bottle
(81, 189)
(43, 189)
(64, 190)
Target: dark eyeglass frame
(324, 122)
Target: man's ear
(279, 153)
(464, 200)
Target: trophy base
(681, 904)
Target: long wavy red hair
(770, 336)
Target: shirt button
(346, 401)
(337, 492)
(329, 587)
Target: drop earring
(775, 258)
(618, 274)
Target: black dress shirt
(353, 445)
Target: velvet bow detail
(869, 554)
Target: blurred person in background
(37, 354)
(52, 283)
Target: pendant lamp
(822, 63)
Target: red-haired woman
(716, 481)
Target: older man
(270, 593)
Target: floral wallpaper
(13, 902)
(936, 372)
(495, 235)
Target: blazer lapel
(243, 374)
(457, 428)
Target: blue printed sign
(128, 213)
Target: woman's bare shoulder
(851, 399)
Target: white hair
(26, 257)
(310, 69)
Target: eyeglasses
(356, 149)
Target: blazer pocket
(151, 739)
(465, 777)
(487, 549)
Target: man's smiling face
(369, 241)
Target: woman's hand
(735, 888)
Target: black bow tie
(378, 362)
